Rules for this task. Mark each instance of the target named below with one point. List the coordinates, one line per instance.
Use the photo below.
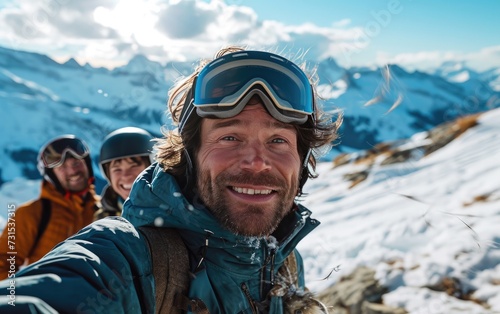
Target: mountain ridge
(42, 98)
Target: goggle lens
(55, 153)
(225, 81)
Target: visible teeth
(251, 191)
(74, 178)
(127, 186)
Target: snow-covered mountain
(458, 72)
(391, 103)
(41, 99)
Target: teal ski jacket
(106, 267)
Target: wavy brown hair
(176, 152)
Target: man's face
(73, 175)
(248, 170)
(123, 172)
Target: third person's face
(122, 174)
(248, 170)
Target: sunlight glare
(132, 19)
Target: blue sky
(420, 25)
(417, 34)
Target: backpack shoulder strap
(304, 302)
(291, 264)
(170, 266)
(42, 224)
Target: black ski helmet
(125, 142)
(63, 144)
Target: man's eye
(278, 140)
(229, 138)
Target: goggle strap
(306, 159)
(187, 108)
(315, 109)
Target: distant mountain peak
(456, 71)
(139, 58)
(72, 63)
(139, 64)
(453, 65)
(396, 69)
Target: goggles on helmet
(55, 153)
(224, 86)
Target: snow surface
(411, 222)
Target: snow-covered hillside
(416, 222)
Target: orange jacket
(68, 215)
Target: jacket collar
(110, 200)
(49, 191)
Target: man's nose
(72, 168)
(254, 157)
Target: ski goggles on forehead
(224, 86)
(56, 152)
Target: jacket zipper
(272, 278)
(245, 290)
(208, 233)
(268, 280)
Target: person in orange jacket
(66, 204)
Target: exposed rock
(397, 151)
(356, 177)
(447, 132)
(375, 308)
(483, 198)
(357, 293)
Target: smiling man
(66, 204)
(229, 176)
(226, 185)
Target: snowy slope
(416, 223)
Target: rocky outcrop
(361, 293)
(404, 150)
(357, 293)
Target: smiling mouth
(75, 178)
(251, 191)
(126, 186)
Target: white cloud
(186, 19)
(485, 58)
(342, 23)
(112, 31)
(481, 60)
(181, 30)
